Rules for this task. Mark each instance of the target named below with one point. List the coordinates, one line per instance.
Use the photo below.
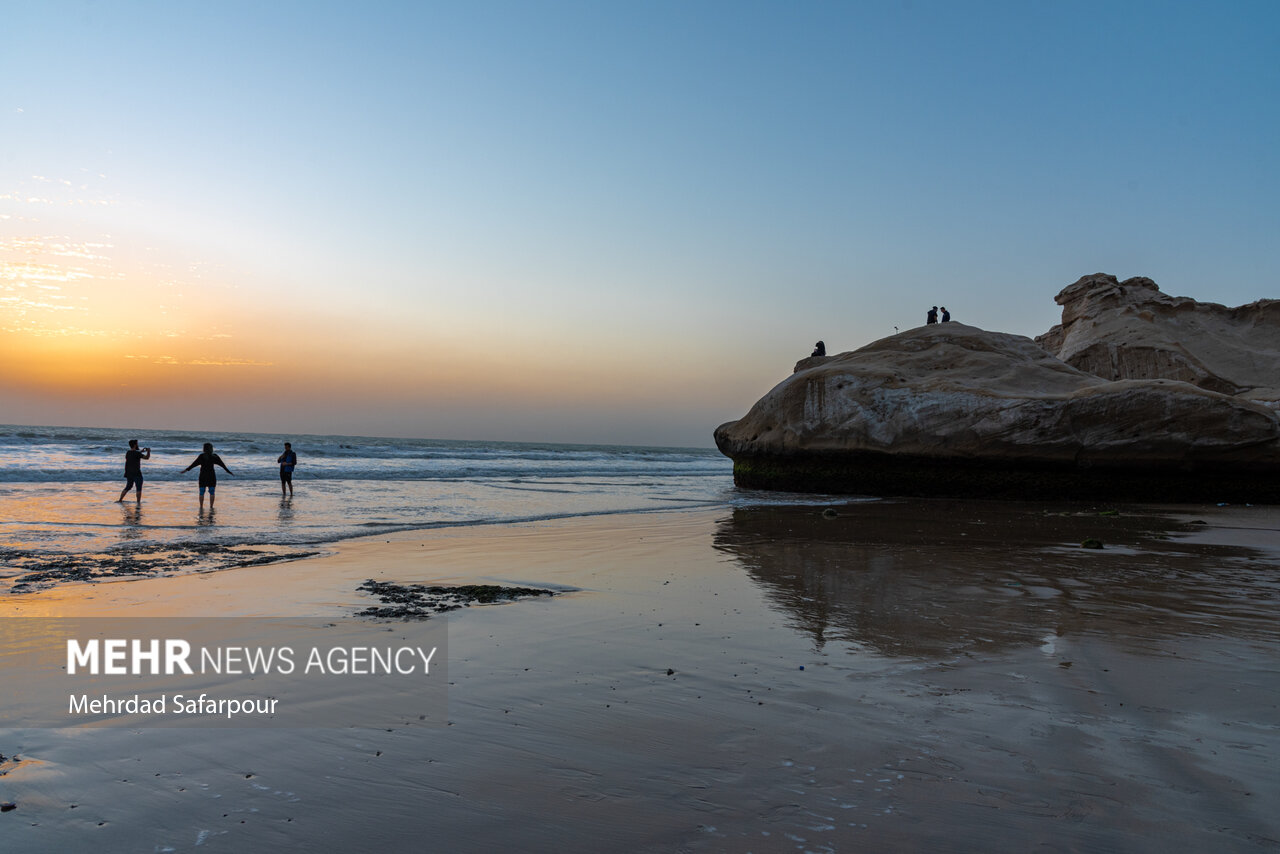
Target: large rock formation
(1130, 330)
(950, 409)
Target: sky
(616, 223)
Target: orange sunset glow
(101, 327)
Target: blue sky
(599, 221)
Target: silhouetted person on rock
(819, 349)
(946, 315)
(933, 316)
(208, 477)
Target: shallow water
(59, 519)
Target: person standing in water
(287, 461)
(208, 477)
(133, 469)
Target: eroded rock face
(950, 409)
(810, 362)
(1130, 330)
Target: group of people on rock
(208, 475)
(820, 349)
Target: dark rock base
(885, 475)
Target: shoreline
(310, 549)
(804, 502)
(187, 593)
(910, 675)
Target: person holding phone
(133, 469)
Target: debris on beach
(1091, 543)
(141, 561)
(420, 601)
(10, 763)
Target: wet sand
(907, 676)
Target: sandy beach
(905, 676)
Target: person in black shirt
(932, 316)
(208, 477)
(819, 349)
(287, 461)
(946, 315)
(133, 469)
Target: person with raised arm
(133, 469)
(208, 477)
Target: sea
(60, 520)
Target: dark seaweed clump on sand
(40, 570)
(420, 602)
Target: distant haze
(590, 222)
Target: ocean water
(59, 519)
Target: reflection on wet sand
(675, 702)
(938, 578)
(131, 527)
(135, 555)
